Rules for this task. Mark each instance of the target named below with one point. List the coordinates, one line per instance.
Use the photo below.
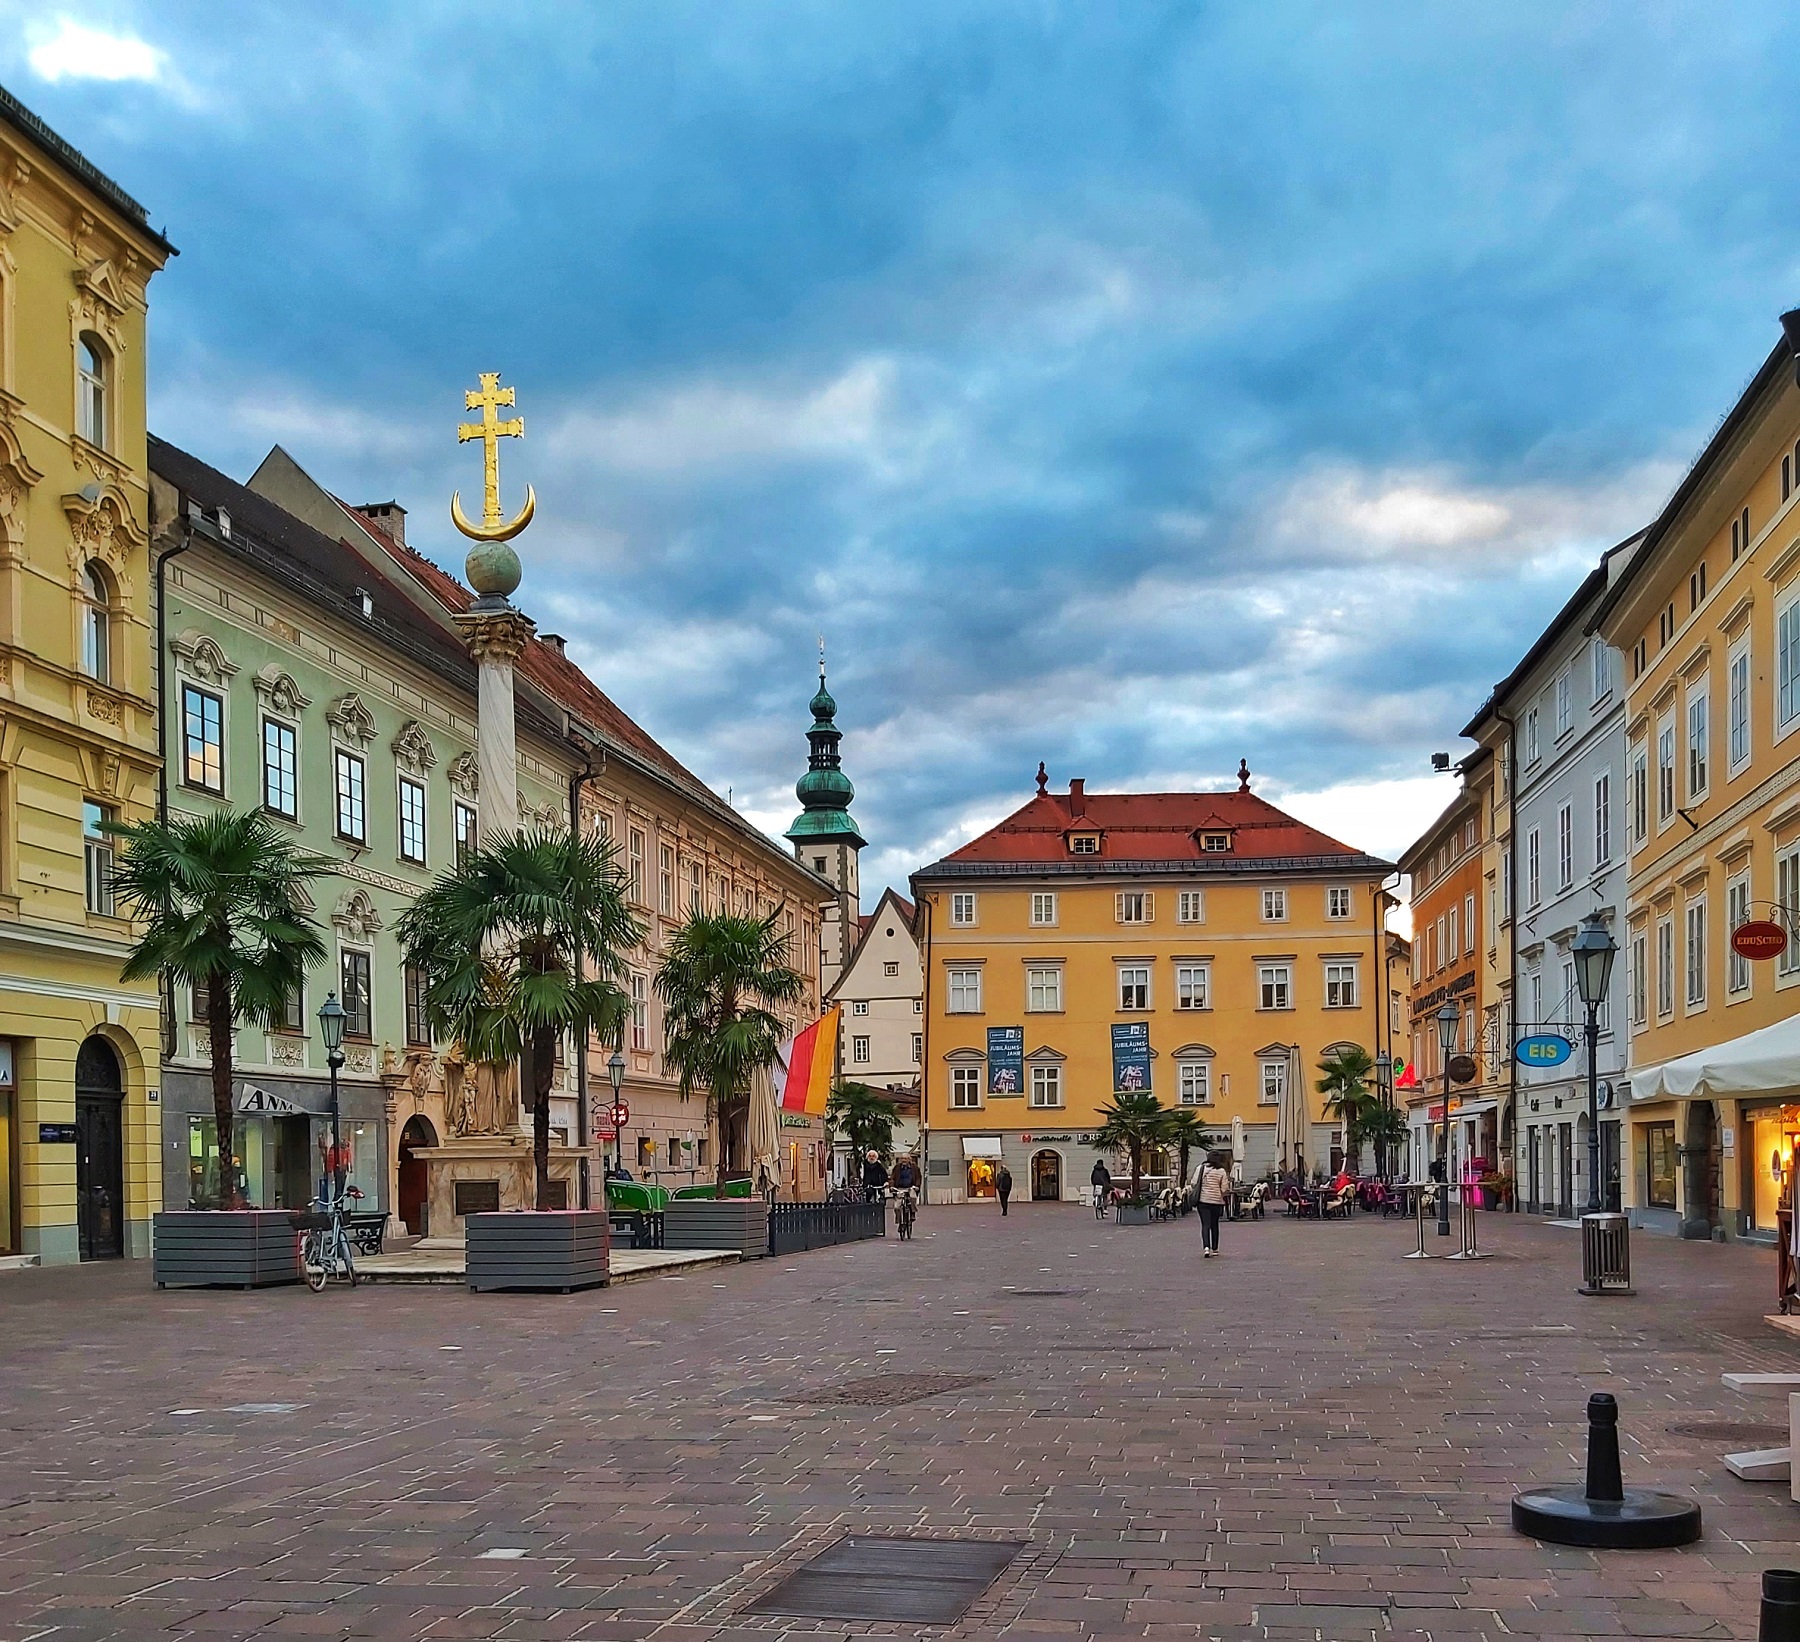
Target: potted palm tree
(1132, 1122)
(223, 903)
(863, 1116)
(1383, 1127)
(521, 947)
(720, 982)
(1183, 1130)
(1344, 1082)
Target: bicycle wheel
(312, 1261)
(349, 1257)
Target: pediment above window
(356, 916)
(964, 1057)
(277, 690)
(412, 748)
(352, 721)
(1195, 1051)
(465, 775)
(199, 656)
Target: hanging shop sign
(1542, 1049)
(620, 1115)
(1131, 1056)
(1006, 1060)
(252, 1099)
(1462, 1068)
(1759, 939)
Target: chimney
(556, 642)
(390, 516)
(1078, 795)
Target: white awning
(981, 1145)
(1766, 1062)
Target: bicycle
(325, 1243)
(1100, 1197)
(906, 1211)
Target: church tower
(825, 836)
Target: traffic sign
(1543, 1049)
(1759, 939)
(621, 1115)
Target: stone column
(496, 635)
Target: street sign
(606, 1132)
(1462, 1069)
(58, 1134)
(1543, 1049)
(621, 1115)
(1759, 939)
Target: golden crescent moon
(493, 533)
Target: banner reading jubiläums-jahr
(1006, 1060)
(1131, 1056)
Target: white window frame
(1737, 911)
(1271, 1080)
(1637, 795)
(1534, 870)
(1531, 736)
(1665, 772)
(1453, 932)
(1134, 982)
(1046, 1086)
(1565, 717)
(407, 789)
(1639, 978)
(636, 842)
(93, 390)
(1274, 906)
(918, 1047)
(1193, 985)
(1786, 682)
(1043, 908)
(1339, 902)
(665, 879)
(349, 794)
(962, 990)
(1468, 950)
(965, 1089)
(1787, 898)
(1565, 846)
(1699, 742)
(1694, 954)
(97, 858)
(1190, 907)
(1739, 694)
(1134, 906)
(1275, 986)
(1342, 988)
(1193, 1081)
(1665, 968)
(1084, 843)
(1603, 819)
(640, 1012)
(292, 730)
(859, 1049)
(1600, 663)
(963, 907)
(1043, 989)
(859, 1006)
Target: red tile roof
(1149, 827)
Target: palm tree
(719, 983)
(1383, 1127)
(1182, 1128)
(522, 945)
(864, 1116)
(1130, 1122)
(223, 897)
(1345, 1085)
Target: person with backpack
(1101, 1181)
(1003, 1186)
(1215, 1188)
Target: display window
(981, 1177)
(281, 1161)
(1659, 1165)
(1774, 1135)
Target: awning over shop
(1759, 1063)
(981, 1145)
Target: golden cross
(490, 430)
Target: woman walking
(1003, 1185)
(1214, 1184)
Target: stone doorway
(1046, 1177)
(413, 1185)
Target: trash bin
(1605, 1254)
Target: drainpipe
(923, 906)
(576, 782)
(165, 987)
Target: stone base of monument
(740, 1224)
(1605, 1515)
(557, 1250)
(490, 1174)
(224, 1248)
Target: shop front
(281, 1137)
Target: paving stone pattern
(1306, 1438)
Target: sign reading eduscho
(1759, 939)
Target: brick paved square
(1308, 1437)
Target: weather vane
(490, 430)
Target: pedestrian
(1003, 1185)
(1101, 1181)
(1214, 1184)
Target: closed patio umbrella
(1294, 1099)
(1237, 1150)
(764, 1125)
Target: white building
(881, 992)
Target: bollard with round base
(1780, 1606)
(1606, 1515)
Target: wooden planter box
(1133, 1215)
(224, 1248)
(558, 1249)
(740, 1223)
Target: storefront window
(1773, 1134)
(281, 1160)
(981, 1177)
(1659, 1165)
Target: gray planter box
(225, 1248)
(558, 1249)
(1130, 1216)
(739, 1223)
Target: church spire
(824, 790)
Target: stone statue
(496, 1097)
(459, 1092)
(420, 1065)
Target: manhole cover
(1763, 1436)
(903, 1581)
(890, 1390)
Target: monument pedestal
(486, 1174)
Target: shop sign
(795, 1120)
(253, 1100)
(1006, 1060)
(58, 1134)
(6, 1064)
(621, 1115)
(1131, 1056)
(1759, 939)
(1542, 1049)
(1462, 1069)
(1045, 1140)
(606, 1132)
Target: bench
(365, 1229)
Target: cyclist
(904, 1184)
(874, 1176)
(1101, 1181)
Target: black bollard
(1604, 1480)
(1604, 1514)
(1780, 1606)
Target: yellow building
(79, 1165)
(1708, 618)
(1203, 945)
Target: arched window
(90, 390)
(96, 622)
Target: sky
(1135, 388)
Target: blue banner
(1131, 1056)
(1006, 1060)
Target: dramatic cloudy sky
(1135, 387)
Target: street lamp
(1593, 950)
(615, 1072)
(1384, 1073)
(1449, 1019)
(331, 1032)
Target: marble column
(496, 637)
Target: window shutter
(1149, 907)
(1119, 908)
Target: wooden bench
(365, 1229)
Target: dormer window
(1084, 843)
(1215, 843)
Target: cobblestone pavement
(1307, 1437)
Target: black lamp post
(1593, 950)
(1384, 1077)
(331, 1032)
(615, 1072)
(1449, 1019)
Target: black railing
(797, 1226)
(637, 1228)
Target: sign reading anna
(1006, 1060)
(1131, 1056)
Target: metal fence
(638, 1228)
(797, 1226)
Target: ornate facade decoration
(17, 476)
(286, 1051)
(278, 692)
(99, 304)
(12, 185)
(413, 750)
(465, 776)
(200, 656)
(101, 527)
(352, 721)
(356, 916)
(103, 706)
(359, 1057)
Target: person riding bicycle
(1101, 1178)
(874, 1175)
(905, 1177)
